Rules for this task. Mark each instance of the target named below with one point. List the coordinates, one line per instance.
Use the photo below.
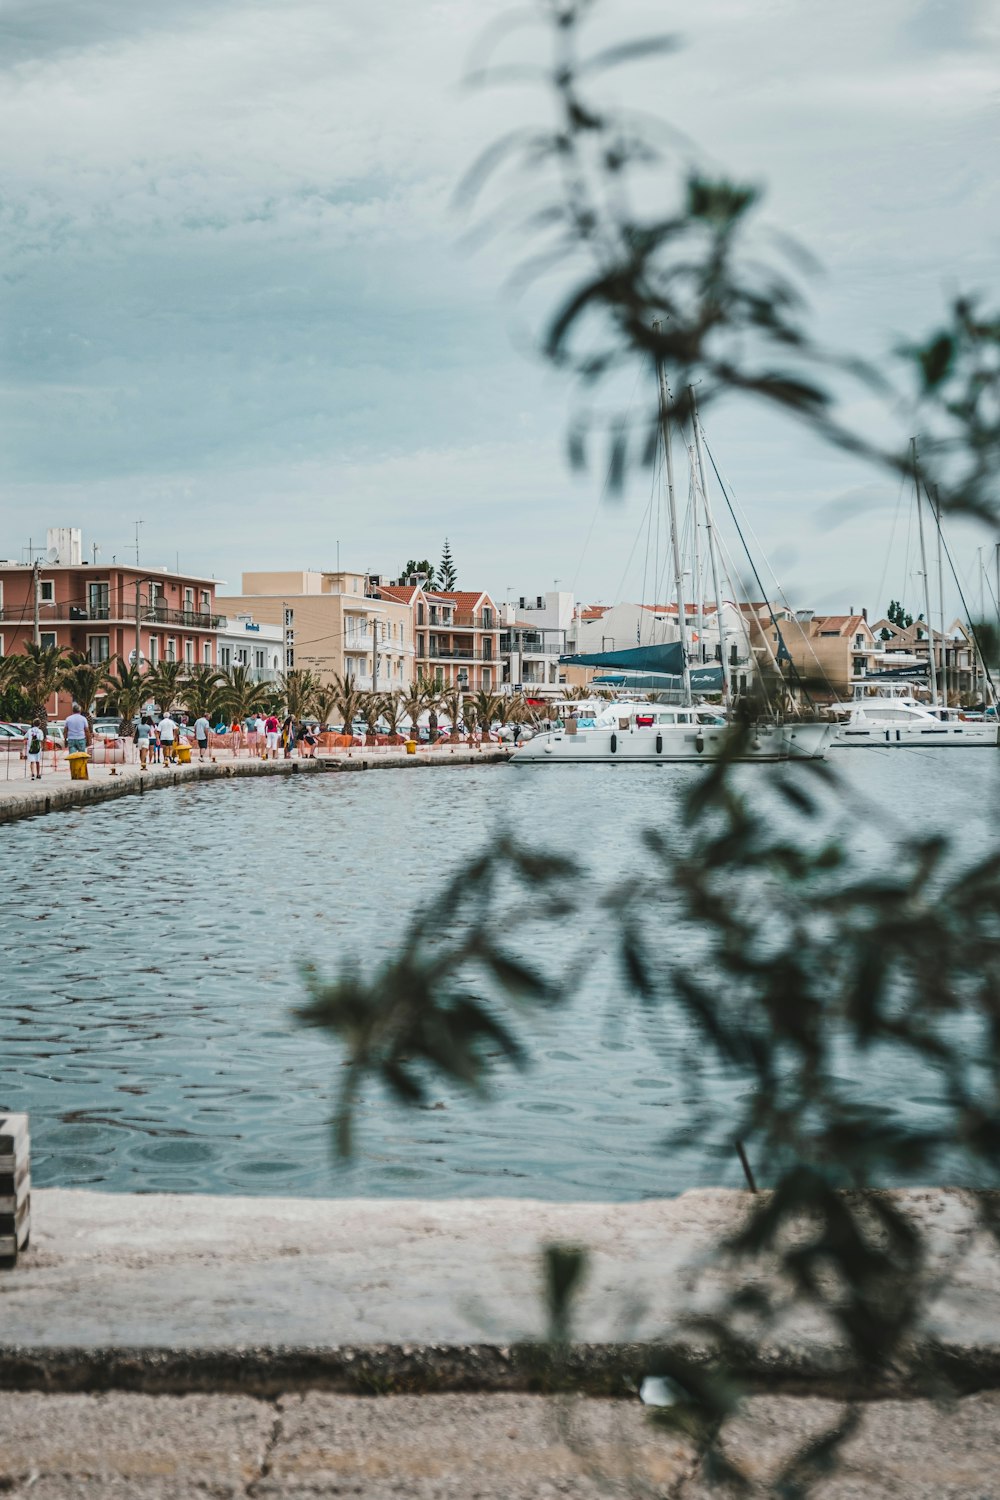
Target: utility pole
(138, 597)
(36, 591)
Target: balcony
(58, 614)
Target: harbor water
(152, 948)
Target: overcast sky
(234, 305)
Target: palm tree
(127, 690)
(393, 711)
(325, 704)
(451, 703)
(239, 693)
(40, 673)
(350, 702)
(84, 680)
(298, 691)
(414, 701)
(201, 691)
(489, 706)
(164, 683)
(371, 712)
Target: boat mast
(927, 585)
(675, 542)
(943, 664)
(699, 592)
(727, 694)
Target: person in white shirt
(34, 743)
(201, 728)
(167, 730)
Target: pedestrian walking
(143, 730)
(34, 745)
(271, 730)
(288, 736)
(167, 729)
(201, 728)
(77, 731)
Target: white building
(533, 636)
(246, 642)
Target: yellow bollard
(78, 763)
(183, 754)
(411, 747)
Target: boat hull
(942, 736)
(671, 743)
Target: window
(154, 650)
(48, 639)
(258, 660)
(171, 648)
(487, 649)
(189, 599)
(242, 656)
(420, 644)
(206, 601)
(189, 653)
(289, 658)
(98, 600)
(487, 678)
(488, 617)
(47, 591)
(206, 654)
(420, 614)
(225, 656)
(2, 651)
(98, 647)
(289, 617)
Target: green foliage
(410, 568)
(163, 684)
(897, 615)
(446, 574)
(349, 700)
(239, 693)
(200, 692)
(84, 681)
(298, 691)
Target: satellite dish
(52, 555)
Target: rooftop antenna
(95, 549)
(137, 525)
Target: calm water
(150, 949)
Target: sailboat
(651, 733)
(883, 720)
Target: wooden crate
(15, 1186)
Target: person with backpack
(34, 745)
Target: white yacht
(878, 721)
(653, 733)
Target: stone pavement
(470, 1447)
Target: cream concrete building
(331, 623)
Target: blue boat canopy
(703, 680)
(666, 657)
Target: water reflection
(150, 969)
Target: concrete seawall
(190, 1292)
(55, 793)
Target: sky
(235, 301)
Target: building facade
(456, 635)
(333, 625)
(102, 612)
(831, 654)
(534, 635)
(254, 644)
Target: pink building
(456, 635)
(101, 612)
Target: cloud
(230, 287)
